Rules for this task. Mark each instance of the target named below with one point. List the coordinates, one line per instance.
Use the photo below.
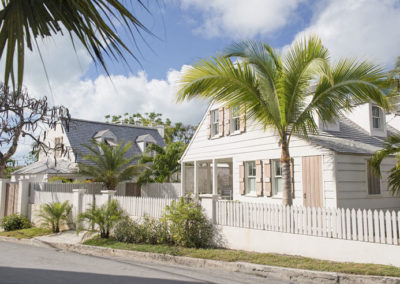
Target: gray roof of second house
(351, 139)
(82, 132)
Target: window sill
(251, 195)
(237, 132)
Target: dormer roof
(146, 138)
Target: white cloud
(242, 19)
(366, 29)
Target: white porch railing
(374, 226)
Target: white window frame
(275, 177)
(250, 174)
(214, 123)
(378, 118)
(235, 120)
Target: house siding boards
(256, 144)
(352, 187)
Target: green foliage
(149, 231)
(15, 222)
(173, 132)
(101, 219)
(108, 164)
(391, 147)
(58, 178)
(188, 225)
(54, 214)
(161, 163)
(284, 93)
(92, 23)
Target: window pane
(375, 111)
(277, 176)
(278, 185)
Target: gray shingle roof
(82, 132)
(350, 139)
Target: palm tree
(391, 147)
(283, 92)
(93, 23)
(108, 164)
(162, 163)
(54, 213)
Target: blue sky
(189, 30)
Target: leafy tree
(53, 214)
(109, 165)
(20, 115)
(93, 23)
(283, 92)
(161, 163)
(102, 219)
(173, 132)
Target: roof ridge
(114, 124)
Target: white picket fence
(143, 206)
(43, 197)
(374, 226)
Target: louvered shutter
(221, 122)
(292, 177)
(259, 178)
(267, 178)
(242, 187)
(209, 125)
(242, 119)
(227, 121)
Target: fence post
(209, 202)
(3, 184)
(23, 197)
(106, 196)
(77, 204)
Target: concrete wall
(310, 246)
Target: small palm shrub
(188, 225)
(149, 231)
(54, 214)
(15, 222)
(101, 219)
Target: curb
(270, 272)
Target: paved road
(29, 264)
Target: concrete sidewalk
(70, 241)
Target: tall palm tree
(283, 92)
(93, 23)
(109, 164)
(162, 163)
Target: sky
(185, 31)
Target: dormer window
(145, 141)
(376, 117)
(214, 123)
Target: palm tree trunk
(286, 173)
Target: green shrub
(188, 225)
(101, 219)
(15, 222)
(149, 231)
(61, 179)
(54, 214)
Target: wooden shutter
(221, 121)
(209, 125)
(374, 182)
(242, 179)
(259, 179)
(242, 119)
(267, 178)
(227, 121)
(292, 177)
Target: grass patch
(254, 257)
(26, 233)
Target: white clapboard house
(233, 158)
(69, 141)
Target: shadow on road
(28, 275)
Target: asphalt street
(29, 264)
